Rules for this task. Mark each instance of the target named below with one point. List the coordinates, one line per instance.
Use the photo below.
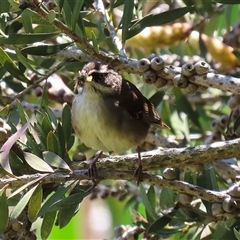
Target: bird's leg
(92, 170)
(138, 172)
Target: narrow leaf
(37, 163)
(127, 18)
(16, 39)
(22, 204)
(52, 142)
(149, 209)
(4, 212)
(47, 224)
(10, 66)
(5, 149)
(157, 20)
(34, 204)
(66, 214)
(27, 185)
(55, 161)
(72, 200)
(54, 198)
(66, 122)
(44, 50)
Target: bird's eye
(101, 76)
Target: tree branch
(172, 157)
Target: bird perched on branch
(110, 114)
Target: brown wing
(138, 106)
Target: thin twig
(111, 29)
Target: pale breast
(98, 130)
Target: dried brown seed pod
(229, 205)
(185, 198)
(38, 91)
(151, 56)
(160, 82)
(157, 64)
(143, 65)
(191, 88)
(180, 81)
(169, 174)
(217, 209)
(201, 67)
(188, 70)
(149, 76)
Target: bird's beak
(88, 78)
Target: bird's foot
(92, 170)
(138, 174)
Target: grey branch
(171, 157)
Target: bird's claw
(138, 174)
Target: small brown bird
(110, 114)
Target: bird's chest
(93, 125)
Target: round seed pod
(180, 81)
(149, 76)
(157, 64)
(79, 157)
(201, 67)
(169, 174)
(229, 205)
(151, 56)
(185, 198)
(191, 88)
(160, 82)
(188, 70)
(217, 209)
(143, 65)
(38, 91)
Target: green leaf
(5, 149)
(34, 204)
(47, 224)
(66, 214)
(16, 39)
(27, 21)
(37, 163)
(161, 222)
(45, 50)
(22, 114)
(127, 18)
(22, 203)
(66, 122)
(70, 201)
(54, 198)
(10, 66)
(149, 209)
(228, 1)
(55, 161)
(76, 17)
(51, 16)
(183, 105)
(236, 233)
(156, 20)
(52, 142)
(3, 211)
(20, 189)
(210, 177)
(151, 196)
(167, 198)
(236, 124)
